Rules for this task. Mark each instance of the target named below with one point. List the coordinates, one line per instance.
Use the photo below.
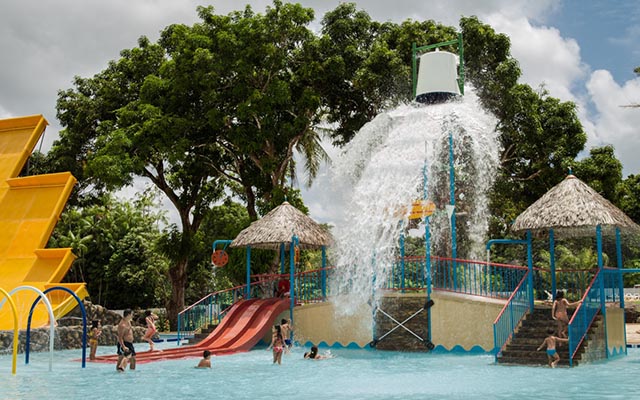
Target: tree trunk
(178, 277)
(251, 204)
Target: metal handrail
(583, 317)
(209, 304)
(502, 336)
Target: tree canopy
(216, 110)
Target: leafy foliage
(115, 244)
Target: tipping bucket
(440, 74)
(437, 77)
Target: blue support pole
(452, 195)
(552, 262)
(282, 263)
(402, 261)
(292, 256)
(427, 242)
(225, 242)
(324, 273)
(248, 288)
(84, 323)
(530, 267)
(600, 266)
(619, 264)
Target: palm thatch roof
(572, 208)
(278, 226)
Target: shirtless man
(551, 342)
(125, 339)
(559, 313)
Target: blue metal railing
(207, 311)
(573, 283)
(309, 287)
(582, 318)
(511, 314)
(455, 275)
(604, 288)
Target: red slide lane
(242, 328)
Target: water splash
(382, 169)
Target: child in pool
(277, 344)
(206, 360)
(313, 354)
(550, 342)
(286, 329)
(94, 335)
(559, 313)
(150, 318)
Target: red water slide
(242, 328)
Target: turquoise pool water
(352, 374)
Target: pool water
(352, 374)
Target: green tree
(629, 197)
(365, 66)
(602, 171)
(221, 104)
(540, 135)
(116, 247)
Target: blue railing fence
(309, 287)
(511, 314)
(582, 318)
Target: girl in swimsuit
(150, 318)
(94, 335)
(277, 343)
(559, 313)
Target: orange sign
(219, 258)
(422, 208)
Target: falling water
(382, 167)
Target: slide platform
(245, 324)
(29, 210)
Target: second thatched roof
(278, 226)
(572, 208)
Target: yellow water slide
(29, 209)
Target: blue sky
(607, 31)
(580, 50)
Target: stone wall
(68, 332)
(65, 337)
(401, 308)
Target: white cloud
(614, 124)
(544, 55)
(45, 44)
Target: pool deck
(633, 337)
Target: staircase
(204, 332)
(522, 349)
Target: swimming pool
(352, 374)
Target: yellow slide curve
(29, 209)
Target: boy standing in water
(551, 342)
(285, 327)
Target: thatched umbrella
(572, 208)
(276, 231)
(279, 226)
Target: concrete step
(527, 361)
